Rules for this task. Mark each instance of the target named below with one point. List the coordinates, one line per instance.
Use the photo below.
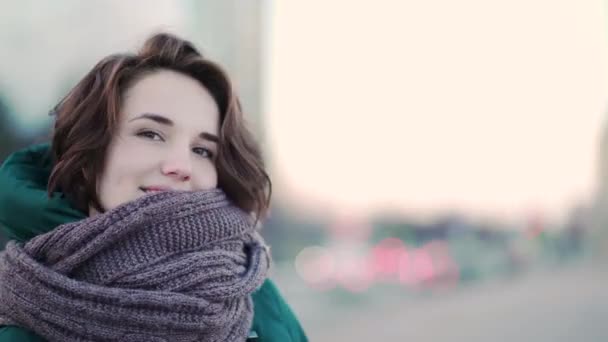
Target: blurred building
(598, 237)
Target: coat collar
(25, 208)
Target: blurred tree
(289, 233)
(394, 226)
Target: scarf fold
(170, 266)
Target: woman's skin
(166, 140)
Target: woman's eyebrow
(209, 136)
(163, 120)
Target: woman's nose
(178, 167)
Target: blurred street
(566, 304)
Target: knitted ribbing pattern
(170, 266)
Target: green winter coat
(26, 211)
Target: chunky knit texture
(170, 266)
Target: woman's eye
(203, 152)
(150, 135)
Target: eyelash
(151, 135)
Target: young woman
(137, 222)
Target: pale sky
(491, 107)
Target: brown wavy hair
(87, 118)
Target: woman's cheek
(204, 176)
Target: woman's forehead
(179, 98)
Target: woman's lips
(154, 188)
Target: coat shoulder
(273, 319)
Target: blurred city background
(440, 167)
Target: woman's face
(166, 140)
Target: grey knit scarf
(170, 266)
